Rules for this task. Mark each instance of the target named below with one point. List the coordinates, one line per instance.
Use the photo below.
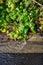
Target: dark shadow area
(21, 59)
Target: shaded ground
(21, 59)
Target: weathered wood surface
(21, 49)
(33, 45)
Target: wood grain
(33, 45)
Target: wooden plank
(34, 44)
(21, 49)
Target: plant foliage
(18, 17)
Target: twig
(37, 3)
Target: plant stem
(37, 3)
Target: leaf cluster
(18, 17)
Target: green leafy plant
(18, 17)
